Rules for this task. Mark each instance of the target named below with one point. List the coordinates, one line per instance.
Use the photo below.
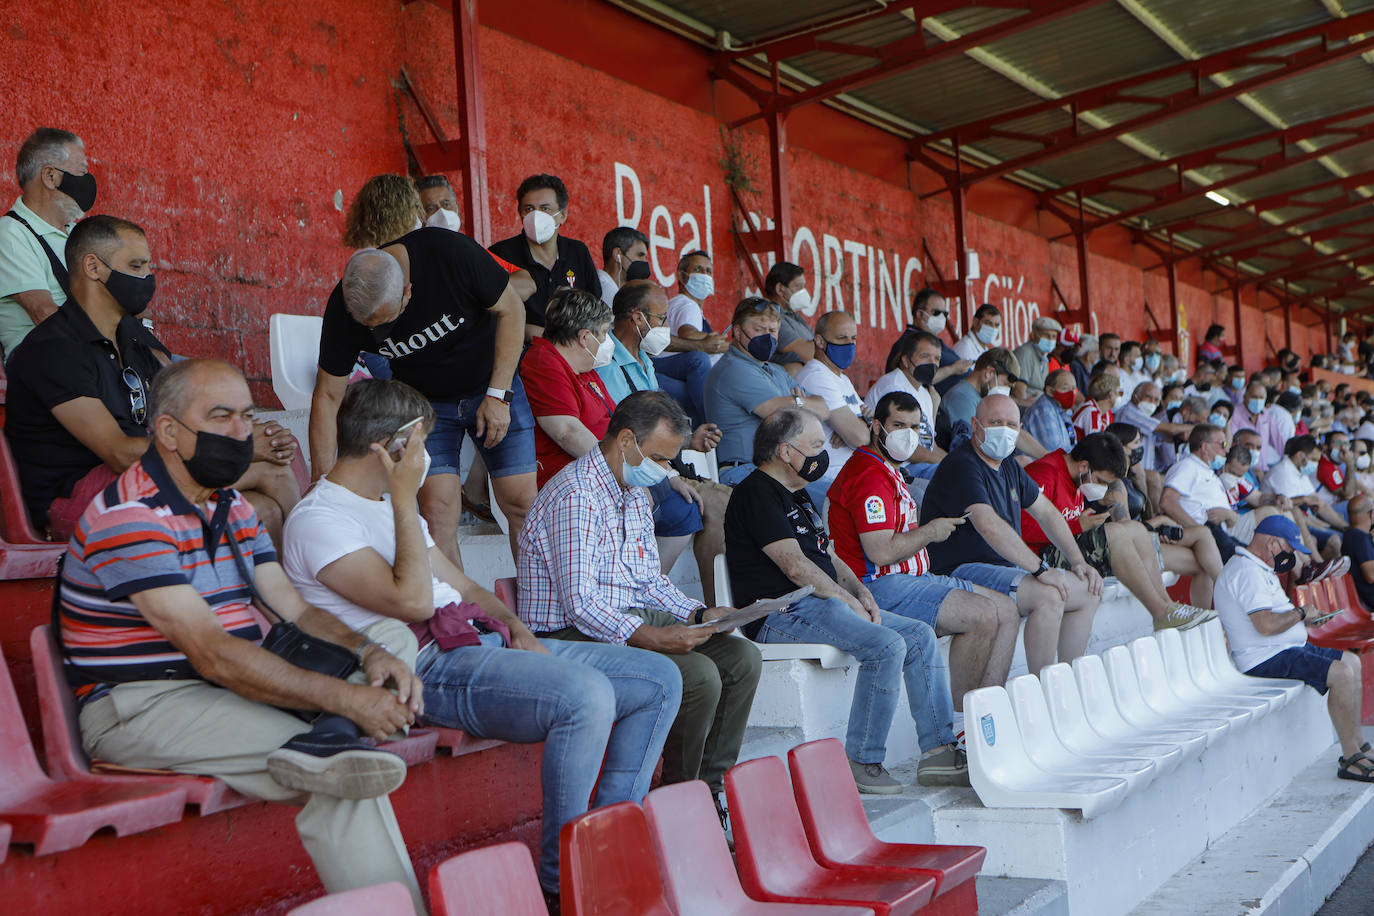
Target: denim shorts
(674, 514)
(1308, 664)
(995, 576)
(918, 597)
(452, 419)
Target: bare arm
(1051, 521)
(1170, 505)
(37, 303)
(1002, 538)
(1271, 623)
(509, 312)
(884, 548)
(958, 367)
(324, 412)
(1028, 444)
(805, 349)
(809, 403)
(570, 433)
(850, 427)
(522, 284)
(787, 556)
(90, 422)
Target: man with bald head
(77, 413)
(443, 313)
(982, 482)
(846, 427)
(162, 647)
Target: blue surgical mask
(646, 473)
(1217, 419)
(1171, 406)
(700, 286)
(1218, 462)
(989, 335)
(1255, 458)
(1152, 361)
(761, 347)
(999, 442)
(842, 355)
(1254, 405)
(1044, 345)
(1238, 382)
(1310, 469)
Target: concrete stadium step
(1285, 858)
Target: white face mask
(604, 351)
(937, 324)
(1137, 363)
(700, 286)
(1148, 407)
(443, 218)
(800, 301)
(998, 442)
(539, 226)
(999, 389)
(428, 462)
(418, 225)
(900, 444)
(1362, 462)
(655, 340)
(989, 335)
(1093, 492)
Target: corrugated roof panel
(1089, 162)
(1283, 182)
(750, 20)
(1341, 86)
(948, 92)
(1212, 27)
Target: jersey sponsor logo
(874, 510)
(395, 349)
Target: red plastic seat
(839, 832)
(607, 865)
(14, 516)
(389, 899)
(505, 589)
(67, 759)
(694, 859)
(775, 860)
(492, 881)
(4, 840)
(415, 748)
(458, 742)
(56, 815)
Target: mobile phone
(1318, 621)
(1098, 506)
(397, 443)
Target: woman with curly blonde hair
(385, 208)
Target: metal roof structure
(1236, 132)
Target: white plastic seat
(1194, 643)
(823, 653)
(1005, 777)
(723, 596)
(1134, 708)
(1049, 753)
(294, 342)
(1107, 718)
(1071, 725)
(704, 463)
(1187, 687)
(1225, 668)
(1160, 692)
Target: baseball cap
(1281, 526)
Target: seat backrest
(1302, 594)
(693, 857)
(723, 596)
(389, 899)
(831, 811)
(1033, 714)
(1349, 598)
(294, 341)
(1194, 642)
(61, 731)
(492, 879)
(1170, 643)
(1215, 638)
(1065, 704)
(17, 759)
(995, 750)
(770, 842)
(608, 867)
(1149, 668)
(1334, 600)
(14, 515)
(1125, 686)
(505, 590)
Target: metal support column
(960, 201)
(472, 115)
(1080, 239)
(1237, 326)
(1288, 324)
(782, 194)
(1171, 273)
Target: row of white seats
(1085, 736)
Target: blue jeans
(452, 419)
(570, 700)
(683, 376)
(999, 578)
(917, 597)
(732, 475)
(900, 648)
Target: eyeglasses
(758, 304)
(138, 396)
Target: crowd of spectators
(966, 489)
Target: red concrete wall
(237, 134)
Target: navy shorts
(1226, 544)
(1308, 664)
(674, 514)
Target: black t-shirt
(444, 342)
(963, 479)
(574, 267)
(62, 359)
(762, 511)
(1358, 546)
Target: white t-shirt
(330, 522)
(837, 391)
(683, 310)
(1247, 584)
(1198, 486)
(1285, 479)
(608, 287)
(969, 347)
(896, 380)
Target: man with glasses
(76, 412)
(745, 388)
(930, 313)
(553, 260)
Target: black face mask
(218, 460)
(1284, 561)
(80, 188)
(813, 467)
(638, 270)
(132, 293)
(1137, 455)
(924, 374)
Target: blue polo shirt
(625, 375)
(734, 387)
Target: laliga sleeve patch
(874, 510)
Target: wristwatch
(1044, 567)
(501, 394)
(698, 614)
(1302, 613)
(798, 399)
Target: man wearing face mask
(57, 189)
(589, 570)
(930, 314)
(982, 481)
(1336, 485)
(1295, 476)
(1267, 636)
(824, 376)
(1034, 355)
(1235, 385)
(624, 253)
(78, 387)
(985, 334)
(786, 285)
(1252, 413)
(775, 542)
(1084, 357)
(917, 363)
(441, 211)
(1132, 364)
(1095, 414)
(1050, 418)
(1194, 493)
(993, 374)
(693, 348)
(1143, 413)
(552, 260)
(746, 387)
(1151, 357)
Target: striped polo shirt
(141, 533)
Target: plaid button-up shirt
(587, 555)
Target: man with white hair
(57, 189)
(442, 311)
(1034, 354)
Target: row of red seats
(62, 808)
(1351, 628)
(804, 848)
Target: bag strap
(59, 270)
(247, 576)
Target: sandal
(480, 510)
(1359, 761)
